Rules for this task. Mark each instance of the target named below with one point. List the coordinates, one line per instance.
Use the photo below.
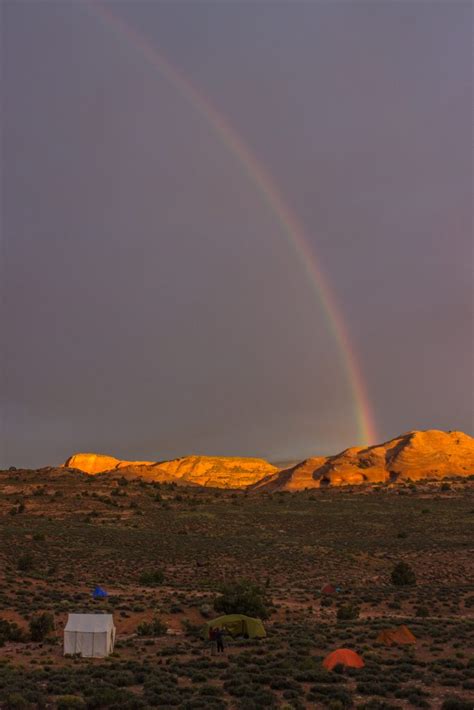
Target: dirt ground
(61, 534)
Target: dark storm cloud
(153, 305)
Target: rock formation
(296, 478)
(212, 471)
(219, 471)
(413, 456)
(97, 463)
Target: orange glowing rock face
(219, 471)
(297, 478)
(413, 456)
(212, 471)
(98, 463)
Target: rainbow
(275, 202)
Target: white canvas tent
(91, 635)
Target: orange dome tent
(343, 657)
(397, 635)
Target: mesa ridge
(413, 456)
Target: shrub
(191, 630)
(16, 701)
(346, 612)
(113, 698)
(152, 578)
(403, 575)
(329, 696)
(40, 626)
(243, 597)
(454, 703)
(66, 702)
(25, 562)
(152, 628)
(469, 601)
(9, 631)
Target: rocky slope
(412, 456)
(296, 478)
(97, 463)
(212, 471)
(219, 471)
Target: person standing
(220, 640)
(212, 641)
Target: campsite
(156, 558)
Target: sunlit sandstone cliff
(97, 463)
(215, 471)
(412, 456)
(219, 471)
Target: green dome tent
(236, 625)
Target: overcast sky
(153, 305)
